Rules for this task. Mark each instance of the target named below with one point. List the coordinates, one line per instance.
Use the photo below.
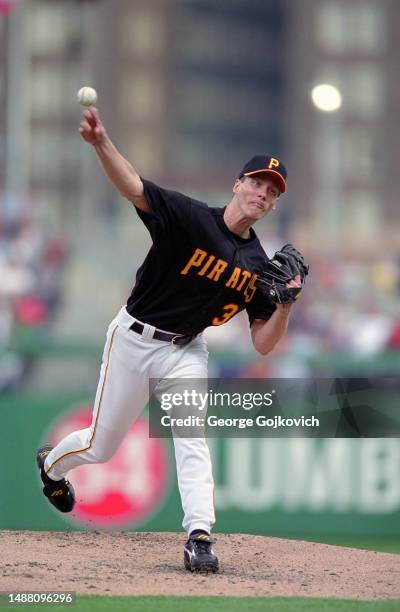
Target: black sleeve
(259, 308)
(170, 210)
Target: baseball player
(204, 266)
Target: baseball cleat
(60, 493)
(198, 555)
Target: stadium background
(189, 90)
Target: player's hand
(295, 282)
(91, 128)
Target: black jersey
(197, 272)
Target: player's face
(256, 196)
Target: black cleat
(60, 493)
(198, 555)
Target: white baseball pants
(129, 361)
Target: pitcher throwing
(204, 266)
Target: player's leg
(196, 484)
(121, 395)
(193, 461)
(196, 487)
(120, 398)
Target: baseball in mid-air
(87, 96)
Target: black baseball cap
(266, 163)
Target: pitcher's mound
(128, 563)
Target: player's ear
(236, 186)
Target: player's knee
(104, 454)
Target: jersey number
(229, 310)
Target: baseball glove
(280, 270)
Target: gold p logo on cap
(273, 163)
(265, 163)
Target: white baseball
(87, 96)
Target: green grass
(218, 604)
(381, 545)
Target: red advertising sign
(7, 5)
(127, 489)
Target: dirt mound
(128, 563)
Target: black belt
(165, 336)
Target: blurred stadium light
(326, 97)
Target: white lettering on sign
(334, 475)
(247, 482)
(318, 475)
(379, 477)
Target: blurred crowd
(31, 266)
(346, 321)
(347, 315)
